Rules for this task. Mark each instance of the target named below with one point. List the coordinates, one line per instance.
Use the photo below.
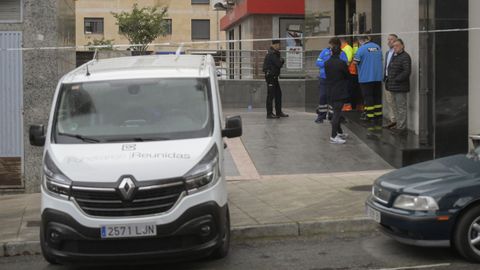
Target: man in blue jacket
(324, 108)
(370, 77)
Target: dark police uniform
(271, 66)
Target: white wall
(404, 17)
(474, 69)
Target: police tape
(193, 43)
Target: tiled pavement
(263, 199)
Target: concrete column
(404, 17)
(474, 69)
(47, 23)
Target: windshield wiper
(80, 137)
(139, 139)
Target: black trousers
(337, 115)
(372, 95)
(274, 92)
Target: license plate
(374, 214)
(126, 231)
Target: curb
(306, 228)
(20, 248)
(294, 229)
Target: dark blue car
(435, 203)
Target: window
(169, 26)
(152, 109)
(200, 29)
(11, 10)
(200, 2)
(93, 25)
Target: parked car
(133, 162)
(435, 203)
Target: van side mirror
(37, 135)
(233, 127)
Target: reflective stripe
(378, 113)
(378, 106)
(369, 108)
(372, 115)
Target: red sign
(266, 7)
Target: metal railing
(248, 64)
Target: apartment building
(189, 20)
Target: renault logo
(127, 187)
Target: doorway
(11, 102)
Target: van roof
(137, 67)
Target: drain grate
(365, 188)
(33, 223)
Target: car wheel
(467, 235)
(50, 259)
(222, 251)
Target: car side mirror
(37, 135)
(233, 127)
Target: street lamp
(219, 6)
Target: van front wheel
(222, 251)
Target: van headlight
(416, 203)
(54, 181)
(205, 174)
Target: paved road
(367, 251)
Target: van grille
(147, 200)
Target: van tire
(50, 259)
(222, 251)
(464, 233)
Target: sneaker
(319, 121)
(342, 136)
(337, 140)
(363, 116)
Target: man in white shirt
(388, 96)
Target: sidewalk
(271, 206)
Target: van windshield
(133, 110)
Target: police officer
(271, 67)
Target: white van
(133, 162)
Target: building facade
(248, 20)
(442, 109)
(28, 78)
(189, 20)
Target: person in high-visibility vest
(357, 99)
(348, 50)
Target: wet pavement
(297, 145)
